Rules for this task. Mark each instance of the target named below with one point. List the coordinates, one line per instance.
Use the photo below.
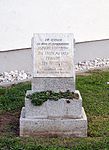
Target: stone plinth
(63, 108)
(53, 127)
(53, 84)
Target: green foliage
(17, 143)
(95, 92)
(12, 98)
(38, 98)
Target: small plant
(38, 98)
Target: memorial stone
(53, 62)
(53, 70)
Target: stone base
(54, 109)
(53, 127)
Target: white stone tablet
(53, 55)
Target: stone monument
(53, 70)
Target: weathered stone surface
(53, 62)
(53, 55)
(32, 111)
(53, 127)
(63, 108)
(53, 84)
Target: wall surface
(19, 19)
(21, 59)
(92, 49)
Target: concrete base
(53, 127)
(54, 109)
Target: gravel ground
(92, 64)
(13, 76)
(17, 76)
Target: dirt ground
(9, 123)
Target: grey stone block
(53, 127)
(63, 108)
(32, 111)
(53, 84)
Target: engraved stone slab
(53, 55)
(53, 62)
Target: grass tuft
(12, 98)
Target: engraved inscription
(53, 55)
